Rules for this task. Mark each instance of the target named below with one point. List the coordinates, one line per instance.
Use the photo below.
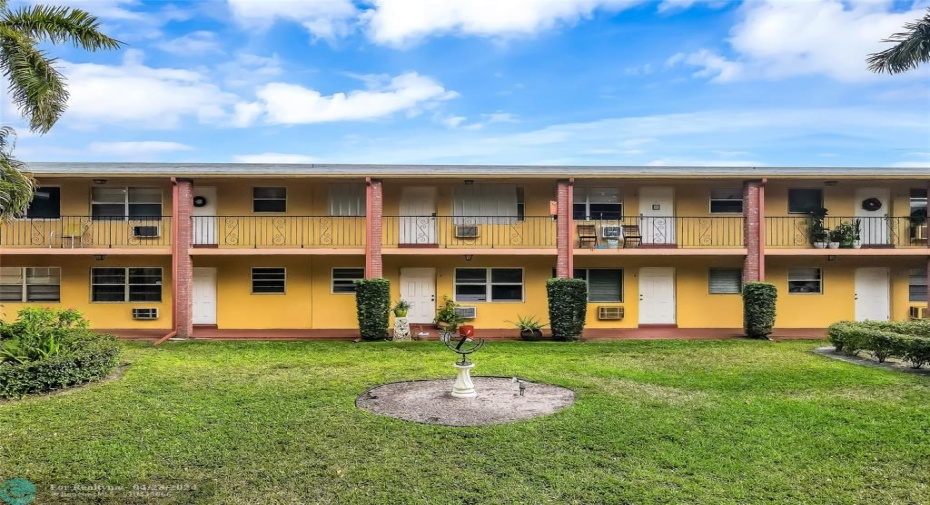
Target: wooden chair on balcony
(632, 236)
(587, 234)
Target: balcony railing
(459, 232)
(649, 231)
(87, 232)
(278, 231)
(898, 232)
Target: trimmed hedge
(759, 309)
(87, 359)
(373, 304)
(568, 307)
(908, 340)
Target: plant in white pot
(836, 237)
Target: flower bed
(907, 340)
(48, 349)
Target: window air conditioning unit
(611, 232)
(610, 313)
(466, 231)
(467, 312)
(146, 231)
(148, 314)
(920, 313)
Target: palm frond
(36, 86)
(16, 186)
(60, 25)
(912, 49)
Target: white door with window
(418, 287)
(204, 215)
(418, 216)
(873, 299)
(203, 296)
(656, 296)
(873, 222)
(657, 211)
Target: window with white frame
(268, 280)
(725, 281)
(726, 201)
(269, 199)
(597, 204)
(917, 285)
(805, 200)
(125, 203)
(344, 279)
(134, 284)
(30, 284)
(46, 203)
(489, 284)
(347, 200)
(805, 280)
(486, 203)
(604, 284)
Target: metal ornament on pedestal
(465, 345)
(401, 329)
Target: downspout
(174, 262)
(762, 229)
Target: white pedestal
(401, 329)
(463, 387)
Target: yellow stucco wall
(75, 289)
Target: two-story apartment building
(184, 247)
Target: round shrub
(568, 307)
(759, 309)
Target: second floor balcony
(298, 232)
(804, 231)
(660, 232)
(470, 232)
(87, 232)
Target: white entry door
(204, 215)
(656, 210)
(873, 300)
(203, 295)
(656, 296)
(873, 224)
(418, 286)
(418, 216)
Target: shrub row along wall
(907, 340)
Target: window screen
(804, 201)
(725, 281)
(805, 280)
(917, 286)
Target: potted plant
(401, 308)
(857, 234)
(447, 319)
(819, 235)
(918, 220)
(844, 235)
(530, 327)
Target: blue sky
(592, 82)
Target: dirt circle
(498, 401)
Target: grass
(698, 422)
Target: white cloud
(103, 9)
(775, 39)
(400, 22)
(486, 119)
(274, 158)
(325, 19)
(136, 148)
(193, 44)
(141, 95)
(293, 104)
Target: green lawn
(655, 422)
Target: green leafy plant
(373, 306)
(844, 233)
(401, 307)
(446, 317)
(39, 333)
(568, 307)
(815, 225)
(530, 327)
(759, 309)
(908, 340)
(88, 358)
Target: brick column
(183, 270)
(564, 238)
(928, 245)
(753, 230)
(374, 205)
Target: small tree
(373, 303)
(568, 307)
(759, 309)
